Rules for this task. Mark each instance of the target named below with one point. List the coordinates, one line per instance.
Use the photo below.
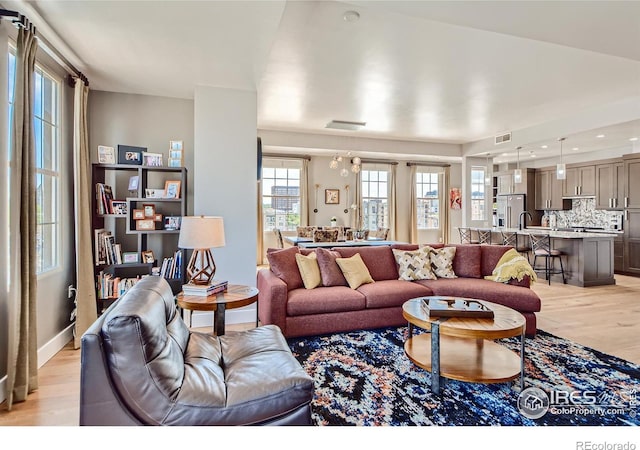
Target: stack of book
(106, 251)
(172, 267)
(204, 289)
(110, 287)
(104, 196)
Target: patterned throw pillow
(414, 265)
(442, 261)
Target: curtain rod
(379, 161)
(284, 155)
(434, 164)
(22, 21)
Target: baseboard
(232, 316)
(45, 353)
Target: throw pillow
(414, 265)
(442, 261)
(309, 270)
(283, 264)
(329, 270)
(512, 265)
(355, 271)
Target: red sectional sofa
(284, 301)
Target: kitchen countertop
(560, 234)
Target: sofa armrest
(272, 299)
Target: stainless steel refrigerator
(509, 207)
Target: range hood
(568, 197)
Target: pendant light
(561, 170)
(517, 174)
(487, 176)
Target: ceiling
(453, 72)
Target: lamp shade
(201, 232)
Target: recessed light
(633, 139)
(575, 148)
(351, 16)
(544, 146)
(600, 136)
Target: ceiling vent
(345, 125)
(502, 138)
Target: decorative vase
(333, 223)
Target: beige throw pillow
(309, 270)
(414, 264)
(355, 271)
(442, 261)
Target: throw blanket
(512, 265)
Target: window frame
(270, 163)
(478, 204)
(365, 213)
(420, 184)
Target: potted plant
(334, 221)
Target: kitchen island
(588, 256)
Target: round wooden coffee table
(236, 296)
(463, 348)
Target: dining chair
(325, 236)
(381, 233)
(341, 235)
(541, 247)
(279, 240)
(305, 232)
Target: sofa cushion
(283, 264)
(321, 300)
(309, 270)
(330, 272)
(491, 254)
(442, 261)
(414, 265)
(467, 261)
(378, 259)
(389, 293)
(516, 297)
(355, 271)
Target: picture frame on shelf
(138, 214)
(157, 217)
(154, 193)
(332, 196)
(172, 189)
(119, 207)
(131, 155)
(106, 155)
(134, 182)
(175, 145)
(172, 223)
(175, 162)
(152, 159)
(149, 210)
(148, 257)
(130, 257)
(145, 225)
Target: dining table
(305, 242)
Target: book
(455, 307)
(205, 289)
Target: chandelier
(356, 162)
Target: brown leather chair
(141, 365)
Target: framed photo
(172, 222)
(119, 207)
(455, 198)
(152, 159)
(154, 193)
(172, 189)
(145, 225)
(128, 154)
(332, 196)
(173, 162)
(175, 145)
(130, 257)
(149, 210)
(138, 214)
(106, 155)
(157, 217)
(147, 257)
(134, 182)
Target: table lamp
(201, 233)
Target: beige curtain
(393, 203)
(86, 312)
(357, 212)
(260, 247)
(445, 213)
(413, 222)
(22, 364)
(304, 193)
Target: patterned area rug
(365, 378)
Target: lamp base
(201, 267)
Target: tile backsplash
(584, 214)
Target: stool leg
(564, 281)
(547, 270)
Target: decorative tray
(455, 307)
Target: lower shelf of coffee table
(473, 360)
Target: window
(281, 194)
(375, 201)
(428, 204)
(47, 143)
(478, 210)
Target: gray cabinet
(548, 191)
(505, 183)
(580, 181)
(610, 185)
(632, 189)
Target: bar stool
(465, 236)
(484, 236)
(510, 238)
(541, 247)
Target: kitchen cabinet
(548, 191)
(632, 241)
(632, 177)
(610, 185)
(505, 183)
(580, 181)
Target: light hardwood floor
(605, 318)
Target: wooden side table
(236, 296)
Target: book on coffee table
(455, 307)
